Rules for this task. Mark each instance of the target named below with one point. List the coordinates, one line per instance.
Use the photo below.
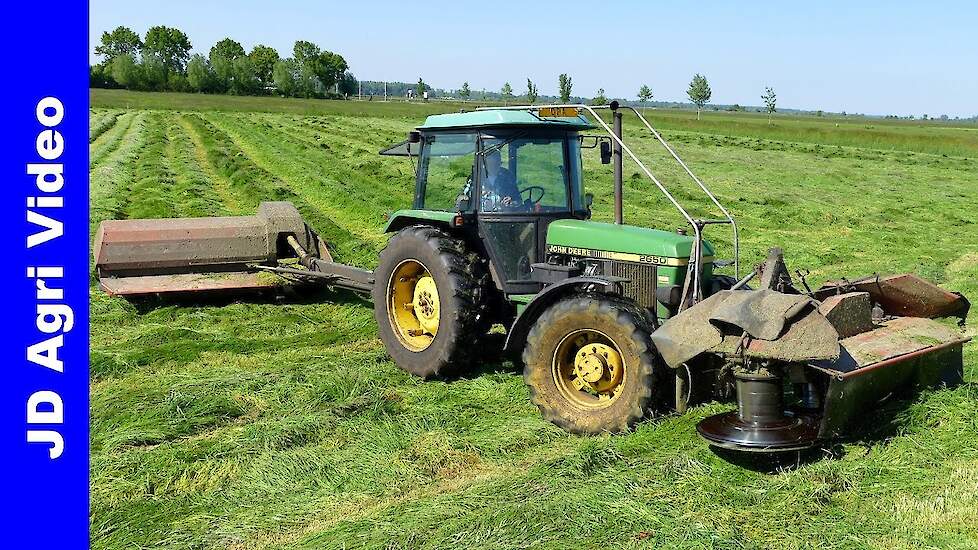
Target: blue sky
(868, 57)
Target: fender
(404, 218)
(517, 333)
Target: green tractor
(499, 233)
(611, 321)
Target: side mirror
(605, 152)
(414, 137)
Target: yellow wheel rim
(413, 306)
(588, 369)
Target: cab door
(515, 234)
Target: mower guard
(902, 355)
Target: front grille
(641, 281)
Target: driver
(499, 190)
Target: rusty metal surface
(145, 246)
(905, 295)
(197, 254)
(891, 339)
(906, 353)
(186, 282)
(848, 397)
(849, 313)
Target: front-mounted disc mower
(611, 321)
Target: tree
(153, 72)
(304, 51)
(199, 74)
(170, 45)
(100, 76)
(222, 71)
(125, 71)
(284, 75)
(318, 65)
(176, 82)
(264, 58)
(121, 41)
(228, 49)
(565, 85)
(506, 92)
(531, 92)
(465, 92)
(348, 84)
(332, 67)
(599, 99)
(644, 94)
(308, 83)
(223, 56)
(699, 92)
(420, 88)
(770, 102)
(244, 80)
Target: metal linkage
(690, 295)
(729, 218)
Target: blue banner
(45, 267)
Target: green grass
(266, 424)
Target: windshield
(523, 173)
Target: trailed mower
(611, 321)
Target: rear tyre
(428, 301)
(590, 366)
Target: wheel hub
(588, 369)
(426, 304)
(414, 308)
(598, 366)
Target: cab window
(445, 172)
(524, 175)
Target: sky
(872, 57)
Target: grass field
(283, 424)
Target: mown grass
(281, 423)
(952, 138)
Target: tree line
(162, 61)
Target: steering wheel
(529, 194)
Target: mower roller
(611, 321)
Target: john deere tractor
(611, 321)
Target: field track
(283, 424)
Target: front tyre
(590, 366)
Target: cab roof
(495, 118)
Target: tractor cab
(505, 175)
